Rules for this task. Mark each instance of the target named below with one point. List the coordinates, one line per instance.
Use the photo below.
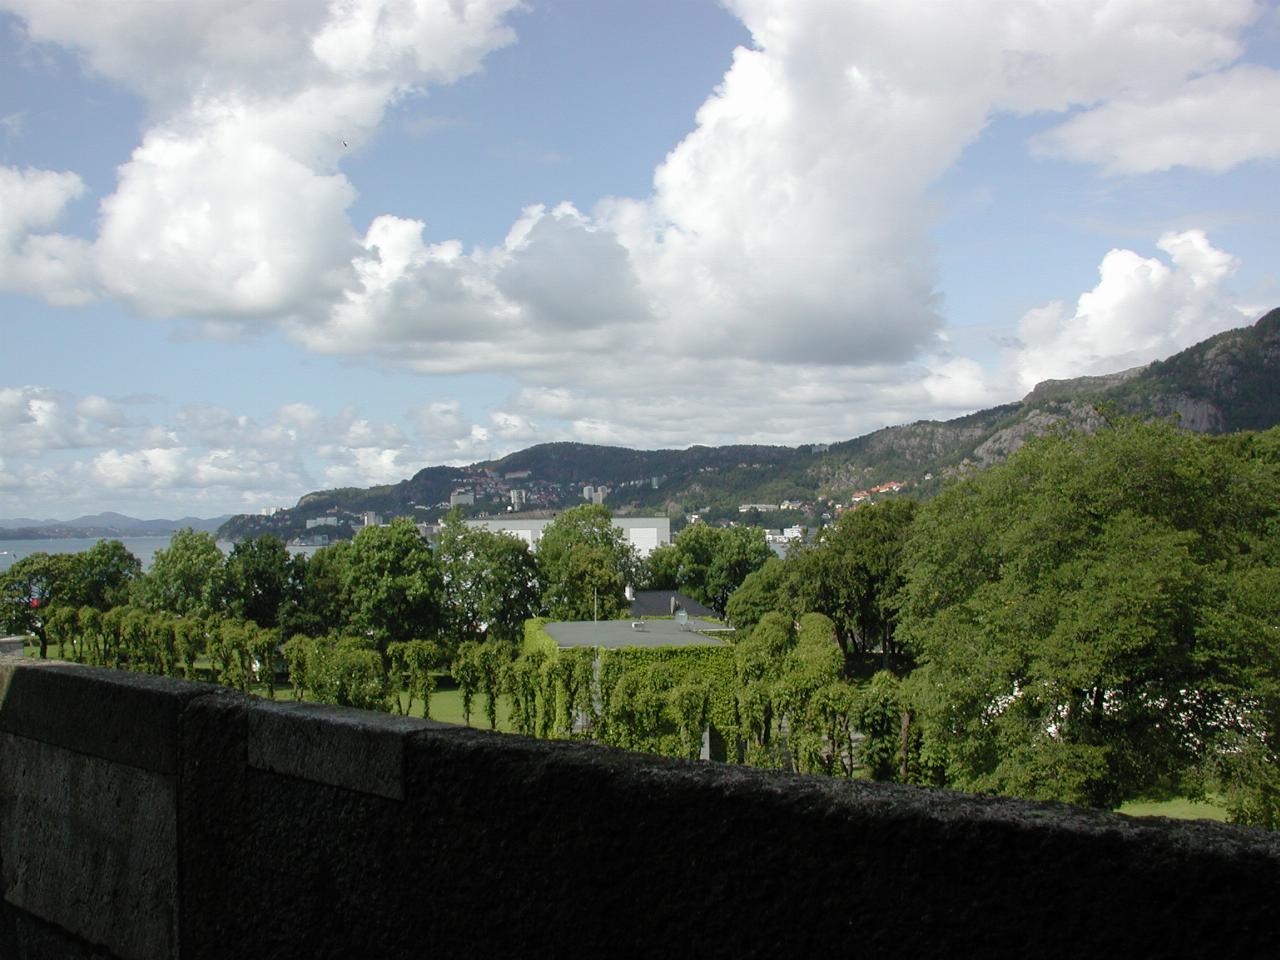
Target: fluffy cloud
(232, 208)
(33, 260)
(36, 420)
(1142, 308)
(69, 452)
(778, 281)
(790, 227)
(1213, 123)
(222, 224)
(171, 51)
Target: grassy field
(1179, 808)
(446, 706)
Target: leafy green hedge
(658, 700)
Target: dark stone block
(126, 717)
(355, 749)
(90, 846)
(29, 938)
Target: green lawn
(446, 706)
(1179, 808)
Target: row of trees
(387, 584)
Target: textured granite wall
(143, 817)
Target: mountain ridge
(105, 524)
(1228, 382)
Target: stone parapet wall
(142, 817)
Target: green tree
(714, 561)
(392, 585)
(412, 663)
(852, 574)
(759, 659)
(468, 675)
(585, 565)
(661, 569)
(1059, 606)
(323, 607)
(1243, 762)
(105, 574)
(490, 583)
(492, 660)
(763, 591)
(186, 577)
(32, 588)
(62, 627)
(260, 576)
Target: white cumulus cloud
(32, 259)
(1142, 309)
(232, 208)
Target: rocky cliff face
(1075, 415)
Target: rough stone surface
(355, 749)
(28, 937)
(113, 714)
(505, 846)
(499, 846)
(90, 846)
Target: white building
(643, 533)
(462, 498)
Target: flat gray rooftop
(615, 634)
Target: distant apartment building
(518, 499)
(643, 533)
(462, 498)
(371, 519)
(322, 522)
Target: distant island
(101, 525)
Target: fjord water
(144, 548)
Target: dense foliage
(586, 565)
(1096, 620)
(1069, 613)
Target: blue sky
(657, 224)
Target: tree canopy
(186, 577)
(713, 561)
(586, 565)
(1068, 611)
(392, 585)
(490, 583)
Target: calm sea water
(144, 548)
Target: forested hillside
(1229, 382)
